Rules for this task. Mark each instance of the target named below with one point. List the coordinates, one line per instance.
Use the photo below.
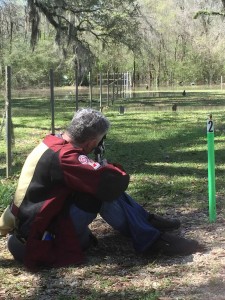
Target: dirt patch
(114, 271)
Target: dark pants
(16, 247)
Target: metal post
(52, 101)
(100, 98)
(76, 83)
(124, 86)
(8, 121)
(121, 84)
(134, 74)
(108, 88)
(117, 84)
(113, 88)
(90, 88)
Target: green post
(211, 170)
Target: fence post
(134, 74)
(76, 82)
(117, 84)
(52, 102)
(120, 81)
(123, 84)
(90, 88)
(108, 88)
(8, 121)
(100, 98)
(113, 88)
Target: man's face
(91, 145)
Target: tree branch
(208, 13)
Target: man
(61, 191)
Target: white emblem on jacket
(83, 159)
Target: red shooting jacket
(52, 174)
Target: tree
(77, 22)
(178, 47)
(166, 42)
(10, 26)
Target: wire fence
(28, 115)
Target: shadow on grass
(111, 269)
(179, 154)
(7, 263)
(114, 255)
(114, 259)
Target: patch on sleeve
(83, 159)
(87, 161)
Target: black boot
(163, 224)
(171, 245)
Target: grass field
(165, 153)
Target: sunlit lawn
(165, 152)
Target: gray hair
(87, 124)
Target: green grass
(166, 155)
(164, 152)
